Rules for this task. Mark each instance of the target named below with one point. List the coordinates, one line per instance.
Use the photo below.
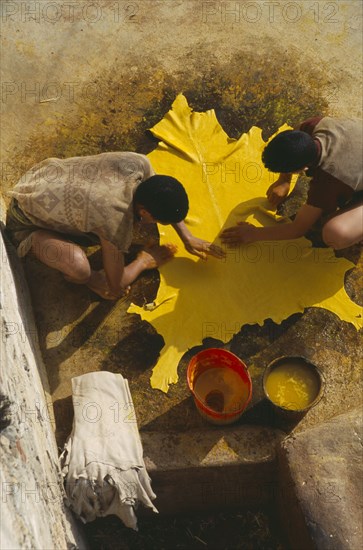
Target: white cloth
(102, 461)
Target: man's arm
(247, 233)
(196, 246)
(113, 263)
(279, 189)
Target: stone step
(212, 470)
(321, 485)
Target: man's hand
(277, 192)
(246, 233)
(195, 246)
(243, 232)
(201, 248)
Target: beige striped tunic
(78, 195)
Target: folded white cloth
(102, 460)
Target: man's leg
(55, 251)
(344, 229)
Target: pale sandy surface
(58, 59)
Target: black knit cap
(164, 197)
(290, 151)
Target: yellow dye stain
(227, 182)
(292, 386)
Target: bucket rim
(202, 406)
(280, 360)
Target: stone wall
(33, 514)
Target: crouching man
(59, 202)
(329, 150)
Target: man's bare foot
(156, 256)
(98, 284)
(102, 292)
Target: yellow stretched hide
(226, 182)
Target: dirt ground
(231, 530)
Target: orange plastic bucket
(220, 384)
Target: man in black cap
(60, 201)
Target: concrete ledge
(212, 470)
(32, 509)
